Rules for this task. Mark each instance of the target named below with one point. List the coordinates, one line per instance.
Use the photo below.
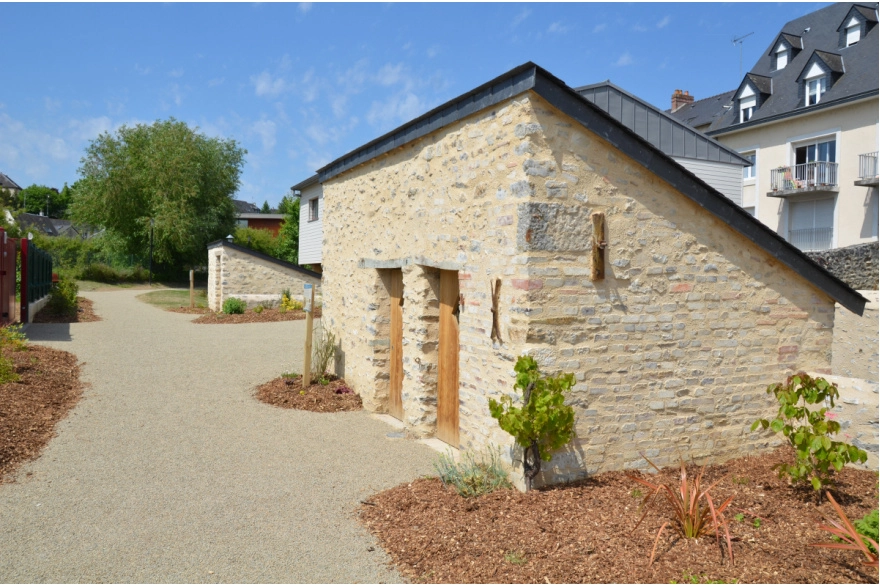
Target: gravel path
(168, 471)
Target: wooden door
(447, 360)
(395, 360)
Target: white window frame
(820, 84)
(781, 54)
(750, 172)
(314, 210)
(747, 108)
(853, 32)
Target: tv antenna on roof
(739, 40)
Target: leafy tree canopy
(288, 235)
(166, 172)
(266, 209)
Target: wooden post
(599, 244)
(309, 307)
(192, 290)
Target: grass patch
(174, 298)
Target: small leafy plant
(867, 527)
(543, 423)
(693, 518)
(288, 304)
(473, 475)
(234, 306)
(515, 557)
(11, 338)
(809, 431)
(259, 309)
(850, 538)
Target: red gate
(8, 264)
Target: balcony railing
(811, 239)
(868, 166)
(805, 175)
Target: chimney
(680, 98)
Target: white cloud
(524, 14)
(396, 109)
(176, 72)
(664, 21)
(310, 86)
(433, 51)
(33, 152)
(558, 28)
(339, 104)
(639, 28)
(52, 105)
(217, 81)
(305, 7)
(265, 129)
(390, 74)
(625, 59)
(600, 27)
(266, 85)
(176, 94)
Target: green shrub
(867, 526)
(288, 304)
(473, 476)
(544, 423)
(104, 273)
(259, 309)
(11, 338)
(234, 306)
(258, 239)
(817, 456)
(62, 298)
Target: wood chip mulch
(30, 408)
(85, 313)
(583, 532)
(249, 317)
(336, 396)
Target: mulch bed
(249, 317)
(583, 532)
(336, 396)
(85, 313)
(30, 408)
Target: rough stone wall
(856, 411)
(233, 273)
(854, 350)
(671, 352)
(856, 265)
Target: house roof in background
(703, 112)
(32, 222)
(664, 132)
(6, 182)
(857, 66)
(242, 207)
(530, 77)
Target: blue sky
(300, 84)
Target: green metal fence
(39, 273)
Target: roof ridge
(710, 97)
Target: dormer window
(747, 108)
(781, 56)
(815, 88)
(853, 31)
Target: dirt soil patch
(249, 317)
(30, 408)
(583, 532)
(84, 313)
(336, 396)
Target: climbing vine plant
(543, 423)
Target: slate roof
(703, 112)
(530, 77)
(243, 207)
(36, 222)
(671, 136)
(857, 67)
(794, 40)
(762, 83)
(6, 182)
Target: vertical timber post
(599, 244)
(23, 316)
(308, 306)
(192, 291)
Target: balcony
(813, 177)
(811, 239)
(867, 170)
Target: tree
(165, 173)
(38, 198)
(288, 235)
(265, 209)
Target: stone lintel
(414, 260)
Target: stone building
(500, 190)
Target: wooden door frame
(395, 337)
(448, 360)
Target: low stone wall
(856, 411)
(257, 279)
(855, 265)
(854, 346)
